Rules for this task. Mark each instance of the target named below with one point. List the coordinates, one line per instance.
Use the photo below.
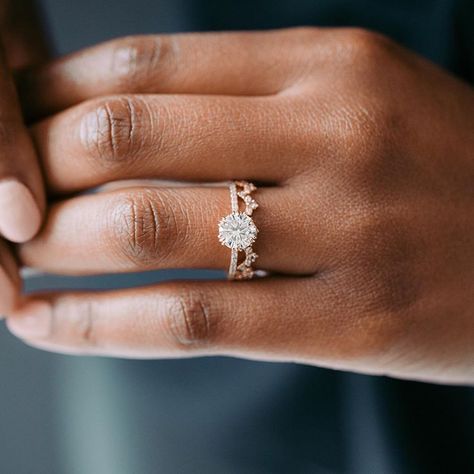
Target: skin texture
(363, 153)
(22, 200)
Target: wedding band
(238, 231)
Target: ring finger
(145, 228)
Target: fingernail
(8, 293)
(20, 217)
(32, 321)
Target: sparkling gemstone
(237, 231)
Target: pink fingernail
(32, 321)
(7, 293)
(20, 217)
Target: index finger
(223, 63)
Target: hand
(364, 156)
(21, 189)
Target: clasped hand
(363, 153)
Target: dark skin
(364, 156)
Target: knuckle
(138, 229)
(376, 161)
(144, 229)
(384, 257)
(306, 33)
(305, 42)
(137, 59)
(367, 328)
(363, 54)
(189, 322)
(77, 318)
(110, 133)
(380, 276)
(366, 46)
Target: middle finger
(178, 137)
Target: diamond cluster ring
(238, 231)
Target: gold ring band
(238, 231)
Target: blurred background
(62, 414)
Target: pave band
(238, 231)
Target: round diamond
(237, 231)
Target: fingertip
(20, 216)
(31, 321)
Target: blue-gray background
(216, 415)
